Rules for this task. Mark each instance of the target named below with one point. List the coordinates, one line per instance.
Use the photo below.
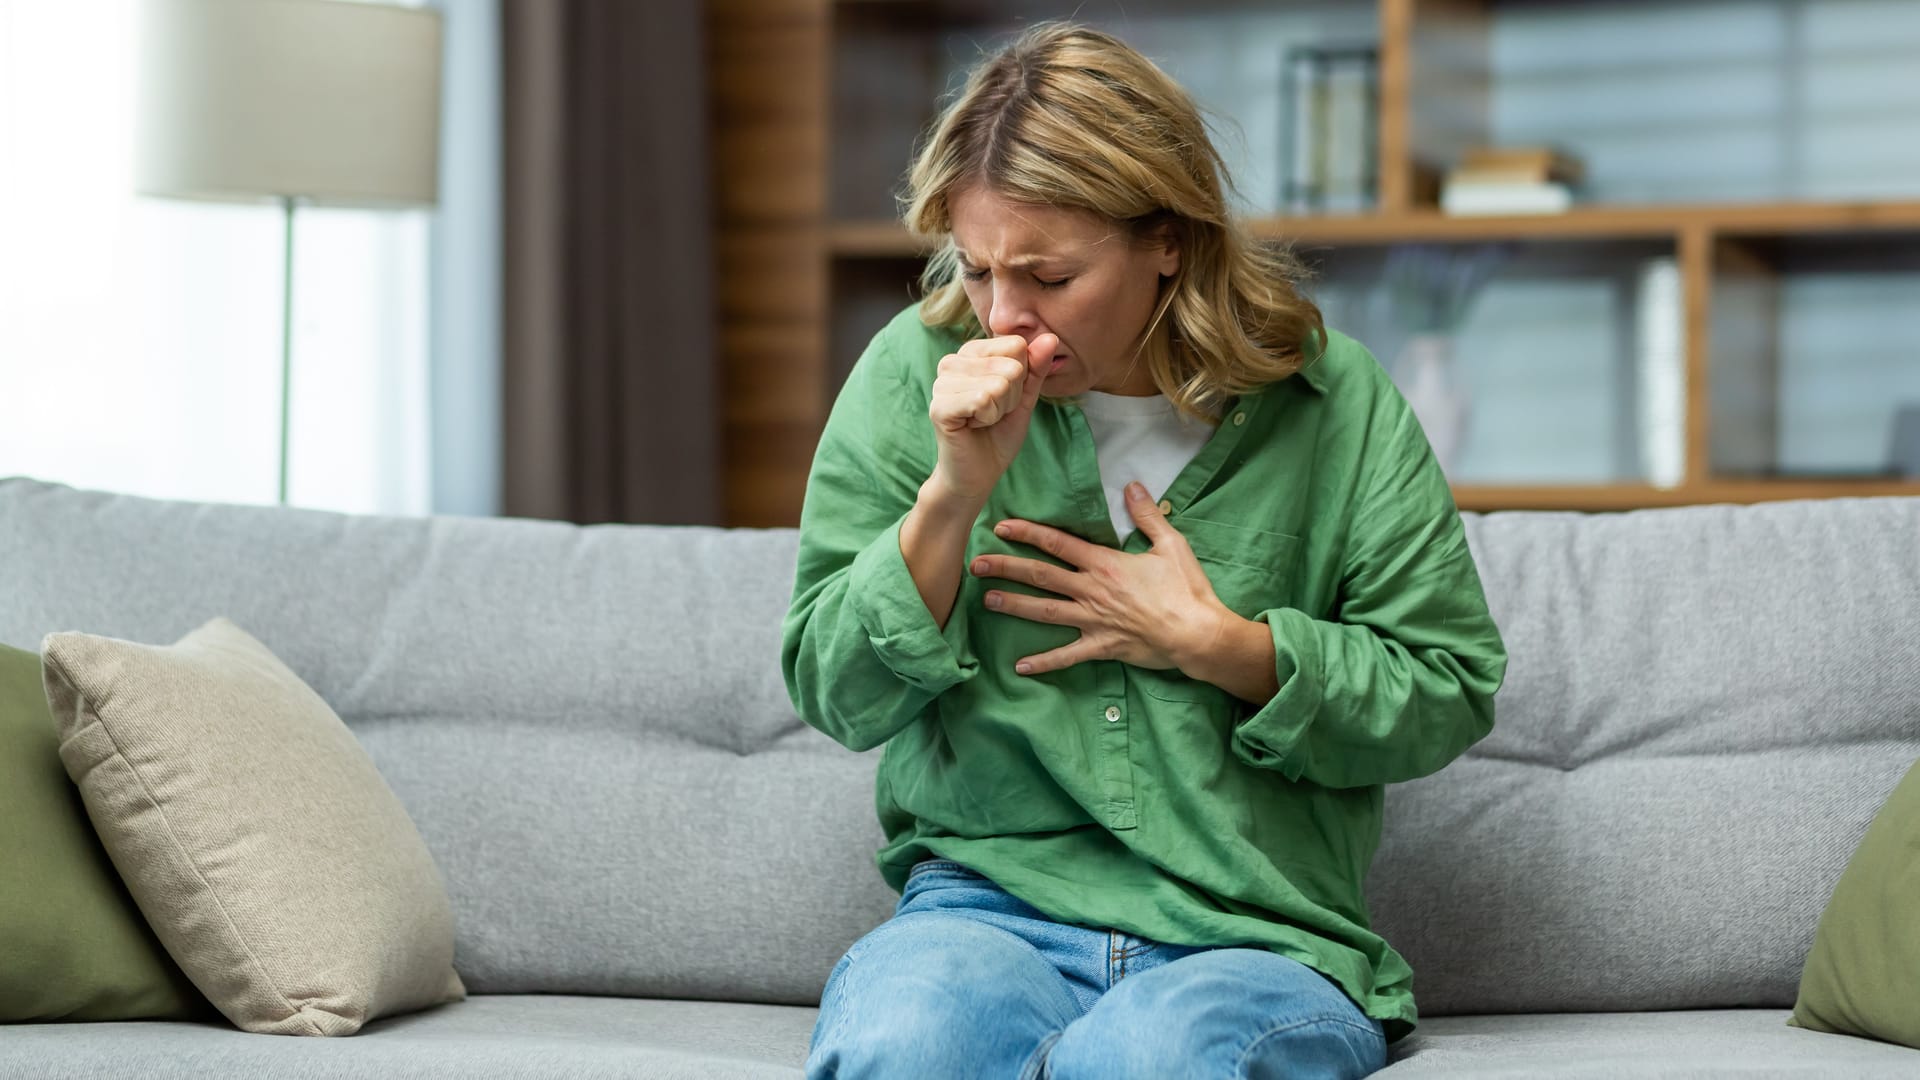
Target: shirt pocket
(1251, 570)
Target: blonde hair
(1071, 117)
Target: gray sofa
(654, 864)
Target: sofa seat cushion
(481, 1038)
(1695, 1044)
(550, 1036)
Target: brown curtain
(610, 403)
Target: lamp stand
(286, 344)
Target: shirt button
(1113, 713)
(1166, 506)
(1239, 418)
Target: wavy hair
(1067, 116)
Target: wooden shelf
(817, 103)
(885, 239)
(1598, 498)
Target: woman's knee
(935, 994)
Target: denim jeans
(967, 981)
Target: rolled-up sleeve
(1401, 679)
(861, 654)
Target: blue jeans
(965, 981)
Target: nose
(1012, 312)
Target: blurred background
(609, 261)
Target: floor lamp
(317, 102)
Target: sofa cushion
(587, 725)
(486, 1037)
(1863, 975)
(72, 944)
(1703, 709)
(256, 836)
(1706, 1044)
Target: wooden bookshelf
(888, 239)
(787, 259)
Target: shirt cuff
(898, 624)
(1272, 737)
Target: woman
(1147, 582)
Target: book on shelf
(1330, 130)
(1505, 198)
(1520, 164)
(1512, 180)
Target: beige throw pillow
(269, 856)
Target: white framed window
(140, 337)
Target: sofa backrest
(588, 725)
(1703, 710)
(1704, 707)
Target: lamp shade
(328, 101)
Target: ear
(1166, 249)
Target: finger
(982, 400)
(1007, 345)
(1146, 514)
(1039, 362)
(1065, 656)
(1041, 609)
(1031, 572)
(960, 365)
(1061, 545)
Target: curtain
(610, 394)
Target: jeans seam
(1240, 1068)
(1036, 1064)
(839, 987)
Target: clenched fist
(983, 402)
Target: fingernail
(1136, 490)
(993, 600)
(1023, 668)
(979, 566)
(1000, 530)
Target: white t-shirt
(1139, 438)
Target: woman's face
(1030, 270)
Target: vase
(1425, 373)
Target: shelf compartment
(1813, 357)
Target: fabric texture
(1141, 439)
(586, 724)
(260, 842)
(1111, 795)
(1705, 1044)
(486, 1037)
(966, 981)
(1704, 708)
(1863, 974)
(72, 944)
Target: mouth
(1059, 362)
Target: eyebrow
(1017, 260)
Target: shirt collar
(1313, 371)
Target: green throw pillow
(72, 944)
(1863, 973)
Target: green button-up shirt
(1114, 796)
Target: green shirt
(1114, 796)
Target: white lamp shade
(332, 102)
